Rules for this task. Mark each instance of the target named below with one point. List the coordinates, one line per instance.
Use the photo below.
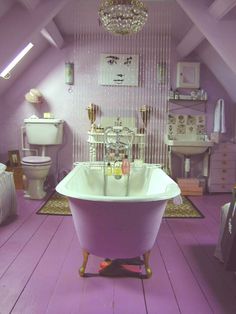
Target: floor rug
(58, 205)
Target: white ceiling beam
(218, 9)
(18, 26)
(190, 42)
(53, 35)
(220, 34)
(51, 32)
(30, 4)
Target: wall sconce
(69, 74)
(162, 72)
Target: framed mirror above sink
(188, 75)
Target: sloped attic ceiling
(214, 22)
(204, 26)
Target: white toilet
(41, 132)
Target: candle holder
(145, 112)
(92, 113)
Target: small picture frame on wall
(119, 69)
(188, 75)
(14, 158)
(161, 72)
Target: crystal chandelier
(122, 17)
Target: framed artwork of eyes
(119, 69)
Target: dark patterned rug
(58, 205)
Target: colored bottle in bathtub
(108, 169)
(117, 171)
(125, 167)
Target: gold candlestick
(92, 112)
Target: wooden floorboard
(159, 293)
(25, 209)
(197, 245)
(69, 289)
(40, 256)
(18, 241)
(18, 275)
(37, 293)
(128, 296)
(197, 241)
(186, 288)
(87, 295)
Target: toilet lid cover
(36, 159)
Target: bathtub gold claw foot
(148, 272)
(148, 269)
(83, 266)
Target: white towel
(219, 117)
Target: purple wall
(47, 74)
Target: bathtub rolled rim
(102, 198)
(172, 190)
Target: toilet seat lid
(36, 159)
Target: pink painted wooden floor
(40, 256)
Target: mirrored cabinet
(188, 75)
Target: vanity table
(96, 139)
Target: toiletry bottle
(125, 167)
(117, 172)
(108, 169)
(171, 94)
(176, 94)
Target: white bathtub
(116, 225)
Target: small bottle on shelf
(171, 93)
(176, 93)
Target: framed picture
(14, 158)
(119, 69)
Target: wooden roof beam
(50, 32)
(194, 37)
(21, 26)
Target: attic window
(6, 72)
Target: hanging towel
(219, 117)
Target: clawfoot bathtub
(115, 225)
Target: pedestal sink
(187, 148)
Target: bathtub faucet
(118, 142)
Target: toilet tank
(44, 131)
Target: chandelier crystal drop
(123, 17)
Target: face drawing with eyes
(119, 69)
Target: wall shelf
(189, 103)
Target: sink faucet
(118, 122)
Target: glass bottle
(117, 172)
(125, 167)
(108, 169)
